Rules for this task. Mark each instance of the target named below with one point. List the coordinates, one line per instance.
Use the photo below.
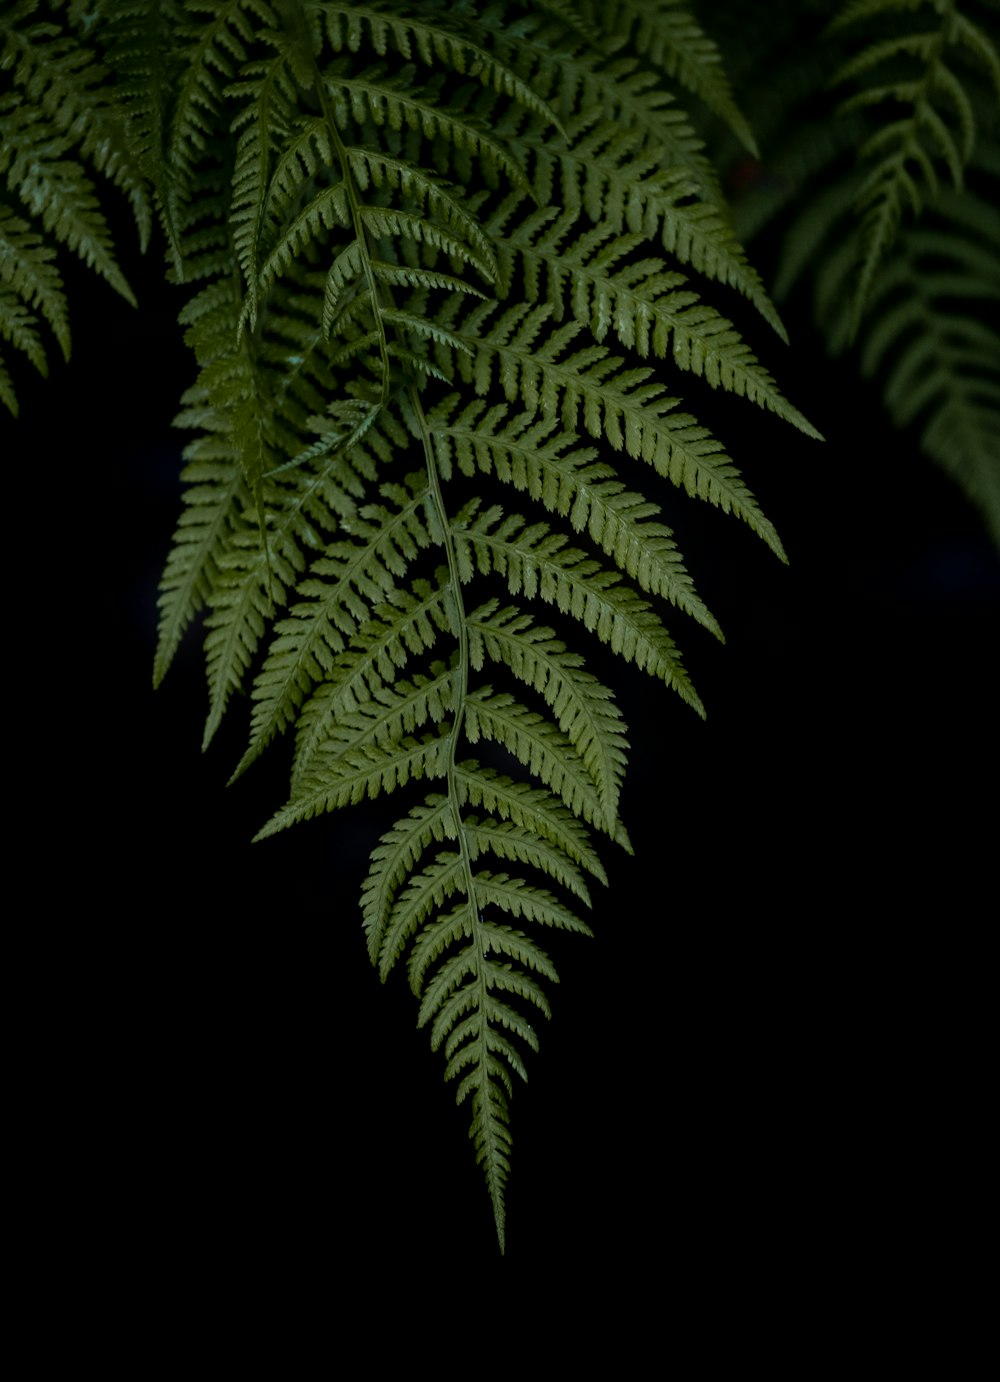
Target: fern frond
(938, 359)
(386, 166)
(921, 127)
(7, 395)
(635, 96)
(28, 272)
(142, 44)
(17, 325)
(342, 588)
(445, 1001)
(611, 175)
(56, 191)
(210, 54)
(460, 997)
(252, 579)
(628, 94)
(214, 500)
(262, 125)
(380, 98)
(520, 899)
(489, 1131)
(236, 391)
(68, 84)
(902, 156)
(402, 626)
(425, 894)
(625, 163)
(448, 227)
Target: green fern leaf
(543, 750)
(394, 860)
(352, 26)
(384, 99)
(214, 499)
(211, 54)
(446, 999)
(581, 706)
(306, 647)
(508, 841)
(593, 387)
(534, 458)
(242, 608)
(533, 809)
(666, 34)
(17, 325)
(424, 895)
(380, 169)
(29, 276)
(520, 899)
(939, 362)
(902, 154)
(540, 565)
(56, 191)
(143, 47)
(648, 307)
(365, 770)
(64, 81)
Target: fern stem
(461, 690)
(360, 230)
(381, 294)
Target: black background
(754, 1066)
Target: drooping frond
(142, 48)
(451, 253)
(215, 498)
(883, 204)
(912, 72)
(210, 54)
(933, 344)
(30, 289)
(58, 125)
(68, 85)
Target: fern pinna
(448, 267)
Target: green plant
(447, 267)
(880, 121)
